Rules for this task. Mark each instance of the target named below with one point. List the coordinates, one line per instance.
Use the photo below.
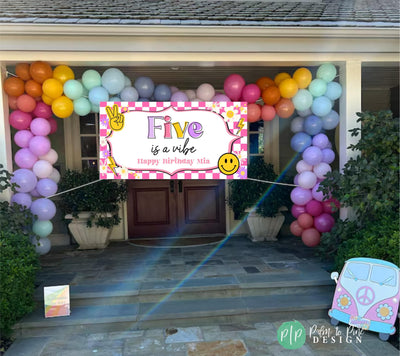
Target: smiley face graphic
(228, 164)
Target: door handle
(180, 186)
(171, 186)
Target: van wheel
(334, 322)
(383, 336)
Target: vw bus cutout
(367, 295)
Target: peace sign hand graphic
(117, 119)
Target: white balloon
(42, 168)
(205, 92)
(303, 166)
(42, 246)
(307, 179)
(321, 169)
(54, 175)
(190, 94)
(50, 156)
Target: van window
(357, 271)
(383, 276)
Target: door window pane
(87, 124)
(88, 146)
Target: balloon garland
(37, 92)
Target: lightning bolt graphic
(240, 125)
(112, 164)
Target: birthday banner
(173, 140)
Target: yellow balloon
(52, 88)
(288, 88)
(46, 99)
(280, 77)
(63, 73)
(303, 77)
(62, 107)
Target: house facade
(186, 43)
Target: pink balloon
(311, 237)
(300, 196)
(23, 199)
(53, 125)
(40, 127)
(312, 155)
(314, 207)
(22, 138)
(221, 98)
(328, 156)
(324, 222)
(321, 169)
(297, 210)
(233, 86)
(25, 180)
(39, 145)
(307, 179)
(251, 93)
(43, 110)
(268, 112)
(20, 120)
(24, 158)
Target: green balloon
(302, 100)
(95, 108)
(85, 91)
(91, 79)
(73, 89)
(317, 87)
(327, 72)
(42, 228)
(82, 106)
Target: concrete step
(177, 313)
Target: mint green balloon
(95, 108)
(302, 100)
(317, 87)
(42, 228)
(82, 106)
(91, 79)
(85, 91)
(73, 89)
(327, 72)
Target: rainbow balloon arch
(37, 93)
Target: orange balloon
(40, 71)
(26, 103)
(22, 70)
(281, 76)
(47, 100)
(53, 88)
(303, 77)
(63, 73)
(264, 82)
(271, 95)
(295, 228)
(14, 86)
(305, 220)
(253, 112)
(288, 88)
(12, 102)
(33, 88)
(284, 108)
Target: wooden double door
(175, 207)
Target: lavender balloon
(300, 196)
(46, 187)
(317, 195)
(25, 180)
(24, 158)
(321, 169)
(39, 145)
(328, 156)
(43, 208)
(23, 199)
(179, 96)
(22, 138)
(321, 141)
(221, 98)
(312, 155)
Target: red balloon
(314, 207)
(268, 112)
(311, 237)
(12, 102)
(26, 103)
(329, 205)
(324, 222)
(296, 210)
(253, 113)
(284, 108)
(295, 228)
(20, 120)
(53, 125)
(305, 220)
(43, 110)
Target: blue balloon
(333, 91)
(144, 86)
(143, 100)
(300, 141)
(113, 80)
(129, 94)
(312, 125)
(115, 98)
(321, 106)
(98, 94)
(330, 121)
(162, 92)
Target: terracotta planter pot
(88, 237)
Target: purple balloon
(46, 187)
(317, 195)
(328, 156)
(40, 127)
(251, 93)
(179, 96)
(22, 138)
(34, 193)
(233, 86)
(43, 208)
(321, 141)
(297, 210)
(300, 196)
(24, 158)
(312, 155)
(324, 222)
(221, 98)
(23, 199)
(39, 145)
(296, 179)
(43, 110)
(25, 180)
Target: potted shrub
(261, 203)
(92, 210)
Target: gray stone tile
(183, 335)
(32, 346)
